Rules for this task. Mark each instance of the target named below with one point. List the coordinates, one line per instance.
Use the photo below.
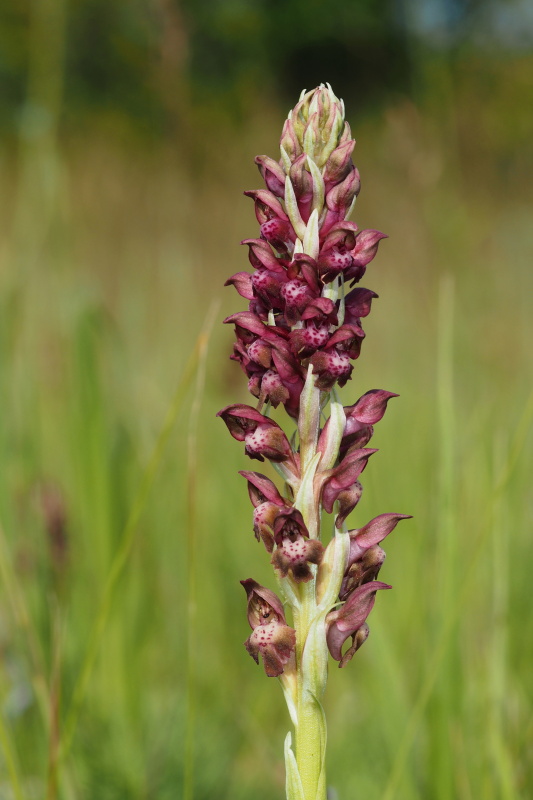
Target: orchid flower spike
(296, 342)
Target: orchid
(296, 343)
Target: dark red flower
(361, 417)
(349, 619)
(319, 316)
(343, 478)
(335, 254)
(271, 637)
(305, 269)
(275, 225)
(339, 199)
(272, 174)
(267, 503)
(267, 206)
(262, 436)
(295, 550)
(261, 256)
(303, 185)
(365, 556)
(280, 234)
(357, 304)
(243, 283)
(366, 247)
(331, 366)
(296, 294)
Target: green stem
(304, 687)
(310, 748)
(310, 730)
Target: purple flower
(315, 176)
(357, 304)
(297, 337)
(341, 483)
(271, 637)
(340, 197)
(262, 436)
(331, 366)
(261, 255)
(267, 503)
(349, 621)
(366, 247)
(365, 557)
(361, 417)
(272, 174)
(303, 185)
(294, 550)
(275, 225)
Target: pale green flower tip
(298, 248)
(318, 185)
(285, 158)
(311, 244)
(310, 136)
(317, 121)
(293, 211)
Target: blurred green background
(128, 131)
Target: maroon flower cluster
(359, 586)
(282, 530)
(290, 321)
(304, 321)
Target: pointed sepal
(350, 618)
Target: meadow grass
(125, 527)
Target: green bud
(315, 125)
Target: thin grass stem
(128, 534)
(11, 761)
(191, 527)
(427, 685)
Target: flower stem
(310, 730)
(310, 749)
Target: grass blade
(192, 474)
(128, 534)
(439, 653)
